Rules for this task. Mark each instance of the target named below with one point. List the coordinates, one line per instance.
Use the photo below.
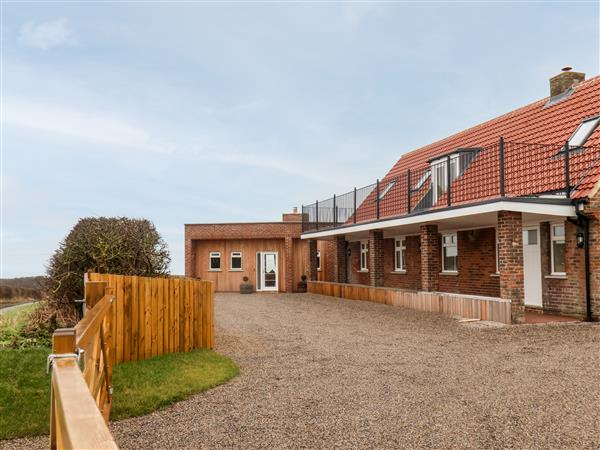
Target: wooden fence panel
(154, 316)
(466, 306)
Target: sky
(190, 112)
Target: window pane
(449, 262)
(558, 230)
(559, 256)
(450, 251)
(532, 237)
(236, 262)
(215, 262)
(403, 259)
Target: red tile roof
(533, 123)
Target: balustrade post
(334, 212)
(502, 181)
(408, 189)
(317, 213)
(567, 170)
(448, 182)
(354, 215)
(377, 199)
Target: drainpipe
(583, 221)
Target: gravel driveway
(319, 372)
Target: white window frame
(364, 250)
(444, 246)
(435, 180)
(557, 239)
(212, 255)
(319, 260)
(594, 121)
(236, 255)
(400, 249)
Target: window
(400, 255)
(318, 259)
(215, 261)
(387, 189)
(364, 252)
(583, 131)
(236, 261)
(557, 236)
(440, 175)
(449, 253)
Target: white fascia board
(437, 216)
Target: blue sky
(214, 112)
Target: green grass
(139, 387)
(11, 323)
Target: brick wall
(411, 279)
(376, 277)
(312, 259)
(357, 277)
(476, 265)
(430, 257)
(510, 243)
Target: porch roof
(471, 216)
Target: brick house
(270, 254)
(507, 210)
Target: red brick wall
(411, 279)
(430, 257)
(376, 277)
(510, 243)
(594, 213)
(476, 265)
(357, 277)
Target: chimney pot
(564, 81)
(295, 210)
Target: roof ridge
(489, 121)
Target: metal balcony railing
(460, 177)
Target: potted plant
(245, 287)
(302, 284)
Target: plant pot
(246, 288)
(301, 287)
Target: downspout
(584, 222)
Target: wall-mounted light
(580, 240)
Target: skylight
(583, 131)
(387, 189)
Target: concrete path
(319, 372)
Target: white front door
(532, 266)
(267, 278)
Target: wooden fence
(154, 316)
(126, 318)
(465, 306)
(81, 398)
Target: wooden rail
(81, 400)
(465, 306)
(126, 318)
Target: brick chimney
(564, 81)
(294, 216)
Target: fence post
(567, 170)
(377, 199)
(354, 215)
(334, 212)
(502, 187)
(317, 213)
(408, 188)
(448, 181)
(63, 341)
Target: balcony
(462, 177)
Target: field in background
(14, 291)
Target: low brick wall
(465, 306)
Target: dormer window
(583, 132)
(459, 161)
(387, 189)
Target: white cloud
(89, 126)
(45, 35)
